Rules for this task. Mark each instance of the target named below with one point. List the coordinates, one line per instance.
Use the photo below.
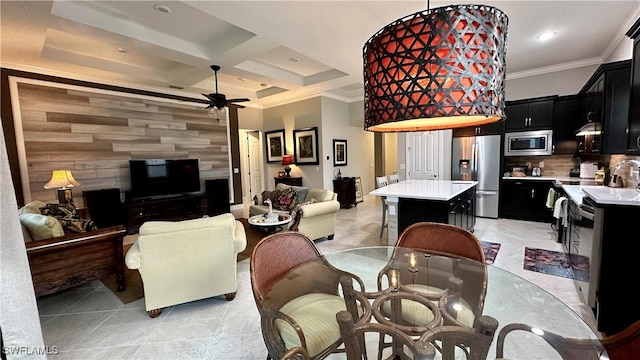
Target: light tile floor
(90, 322)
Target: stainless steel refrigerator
(478, 158)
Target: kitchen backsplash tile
(559, 165)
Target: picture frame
(275, 145)
(359, 195)
(305, 146)
(339, 152)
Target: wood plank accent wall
(95, 134)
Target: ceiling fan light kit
(440, 68)
(219, 101)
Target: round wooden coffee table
(270, 227)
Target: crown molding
(554, 68)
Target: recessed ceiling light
(240, 79)
(294, 59)
(546, 36)
(124, 51)
(263, 85)
(162, 9)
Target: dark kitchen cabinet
(633, 141)
(345, 188)
(496, 128)
(566, 120)
(530, 114)
(525, 200)
(606, 103)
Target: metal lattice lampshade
(436, 69)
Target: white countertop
(574, 192)
(613, 196)
(603, 194)
(441, 190)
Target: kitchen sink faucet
(632, 162)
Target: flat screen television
(157, 178)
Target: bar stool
(380, 182)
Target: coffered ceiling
(272, 52)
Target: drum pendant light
(440, 68)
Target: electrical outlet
(541, 164)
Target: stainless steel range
(582, 244)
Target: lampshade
(287, 159)
(61, 179)
(441, 68)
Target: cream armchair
(187, 260)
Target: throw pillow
(40, 226)
(301, 193)
(59, 210)
(66, 215)
(285, 200)
(294, 212)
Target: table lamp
(63, 180)
(287, 160)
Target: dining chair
(441, 283)
(442, 238)
(303, 316)
(354, 332)
(394, 178)
(621, 346)
(462, 342)
(567, 348)
(450, 240)
(381, 181)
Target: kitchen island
(443, 201)
(601, 234)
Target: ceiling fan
(217, 100)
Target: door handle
(533, 193)
(638, 141)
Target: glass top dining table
(498, 293)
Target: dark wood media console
(176, 208)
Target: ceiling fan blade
(238, 100)
(209, 97)
(238, 106)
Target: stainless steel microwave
(524, 143)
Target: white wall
(337, 124)
(296, 115)
(250, 119)
(565, 82)
(390, 153)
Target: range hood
(591, 128)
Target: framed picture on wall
(339, 152)
(275, 145)
(305, 146)
(359, 195)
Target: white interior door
(256, 173)
(423, 155)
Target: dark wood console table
(292, 181)
(345, 188)
(168, 209)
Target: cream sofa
(187, 260)
(317, 219)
